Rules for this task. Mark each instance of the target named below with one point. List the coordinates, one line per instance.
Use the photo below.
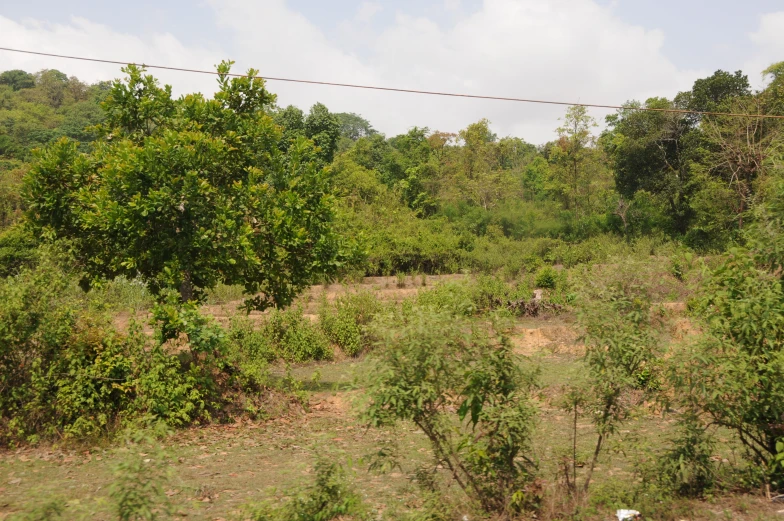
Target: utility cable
(394, 89)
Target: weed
(139, 480)
(223, 294)
(47, 510)
(329, 497)
(294, 337)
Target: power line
(394, 89)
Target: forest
(338, 324)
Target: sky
(589, 51)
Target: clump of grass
(123, 294)
(47, 510)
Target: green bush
(249, 341)
(546, 278)
(294, 337)
(47, 510)
(18, 249)
(688, 468)
(453, 296)
(122, 294)
(623, 333)
(470, 396)
(344, 323)
(67, 373)
(326, 499)
(137, 490)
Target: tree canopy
(186, 193)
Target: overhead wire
(401, 90)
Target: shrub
(122, 294)
(622, 340)
(66, 372)
(345, 323)
(453, 296)
(467, 392)
(294, 337)
(48, 510)
(326, 499)
(18, 249)
(248, 341)
(734, 373)
(688, 468)
(546, 278)
(139, 482)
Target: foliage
(329, 497)
(546, 278)
(733, 375)
(18, 250)
(48, 510)
(17, 79)
(187, 193)
(66, 372)
(345, 323)
(453, 297)
(468, 394)
(294, 337)
(622, 340)
(138, 487)
(688, 468)
(11, 206)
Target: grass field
(215, 472)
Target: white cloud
(572, 50)
(84, 38)
(769, 39)
(562, 49)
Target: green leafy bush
(623, 341)
(688, 468)
(345, 322)
(546, 278)
(326, 499)
(18, 249)
(453, 296)
(467, 392)
(68, 373)
(137, 490)
(294, 337)
(47, 510)
(734, 373)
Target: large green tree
(17, 79)
(653, 152)
(575, 160)
(190, 192)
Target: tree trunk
(186, 288)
